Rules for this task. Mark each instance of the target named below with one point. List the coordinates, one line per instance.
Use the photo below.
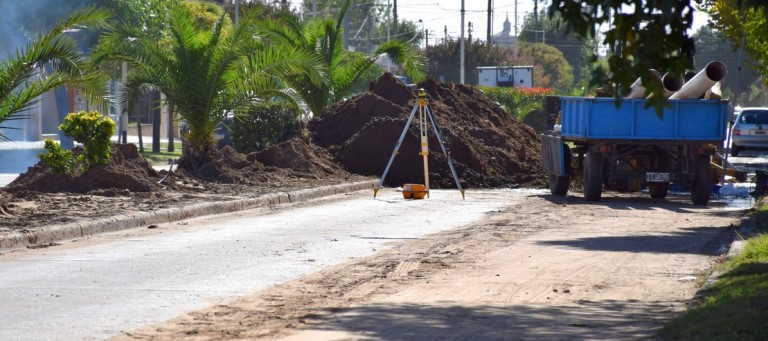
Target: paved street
(97, 288)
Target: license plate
(656, 177)
(759, 132)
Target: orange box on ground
(415, 191)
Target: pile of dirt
(300, 157)
(126, 170)
(128, 183)
(488, 147)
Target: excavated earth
(487, 146)
(352, 140)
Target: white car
(750, 130)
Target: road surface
(97, 288)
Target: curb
(58, 233)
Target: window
(754, 117)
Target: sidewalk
(57, 233)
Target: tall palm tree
(204, 72)
(19, 84)
(324, 39)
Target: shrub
(519, 102)
(93, 131)
(58, 158)
(264, 124)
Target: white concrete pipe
(699, 84)
(637, 90)
(671, 83)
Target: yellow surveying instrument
(424, 113)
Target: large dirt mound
(126, 170)
(488, 147)
(301, 157)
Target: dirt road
(541, 268)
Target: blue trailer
(630, 147)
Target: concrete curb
(58, 233)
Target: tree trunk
(193, 156)
(171, 146)
(141, 141)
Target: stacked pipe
(637, 89)
(694, 86)
(713, 73)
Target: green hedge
(524, 104)
(263, 125)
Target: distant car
(750, 130)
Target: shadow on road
(698, 240)
(583, 320)
(677, 204)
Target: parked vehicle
(629, 147)
(750, 130)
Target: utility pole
(394, 23)
(515, 20)
(535, 17)
(389, 21)
(489, 22)
(469, 31)
(461, 70)
(517, 38)
(237, 11)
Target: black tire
(661, 163)
(558, 185)
(700, 190)
(593, 175)
(735, 150)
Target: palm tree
(324, 39)
(19, 84)
(204, 72)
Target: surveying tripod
(424, 113)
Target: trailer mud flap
(552, 155)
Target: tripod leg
(397, 147)
(445, 151)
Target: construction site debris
(490, 148)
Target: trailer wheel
(593, 175)
(661, 163)
(558, 185)
(701, 189)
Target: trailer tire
(558, 185)
(593, 175)
(700, 190)
(661, 163)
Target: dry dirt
(543, 268)
(128, 183)
(351, 141)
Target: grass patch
(162, 157)
(736, 306)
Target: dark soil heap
(128, 171)
(488, 147)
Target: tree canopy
(550, 68)
(574, 49)
(641, 35)
(744, 23)
(19, 86)
(444, 65)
